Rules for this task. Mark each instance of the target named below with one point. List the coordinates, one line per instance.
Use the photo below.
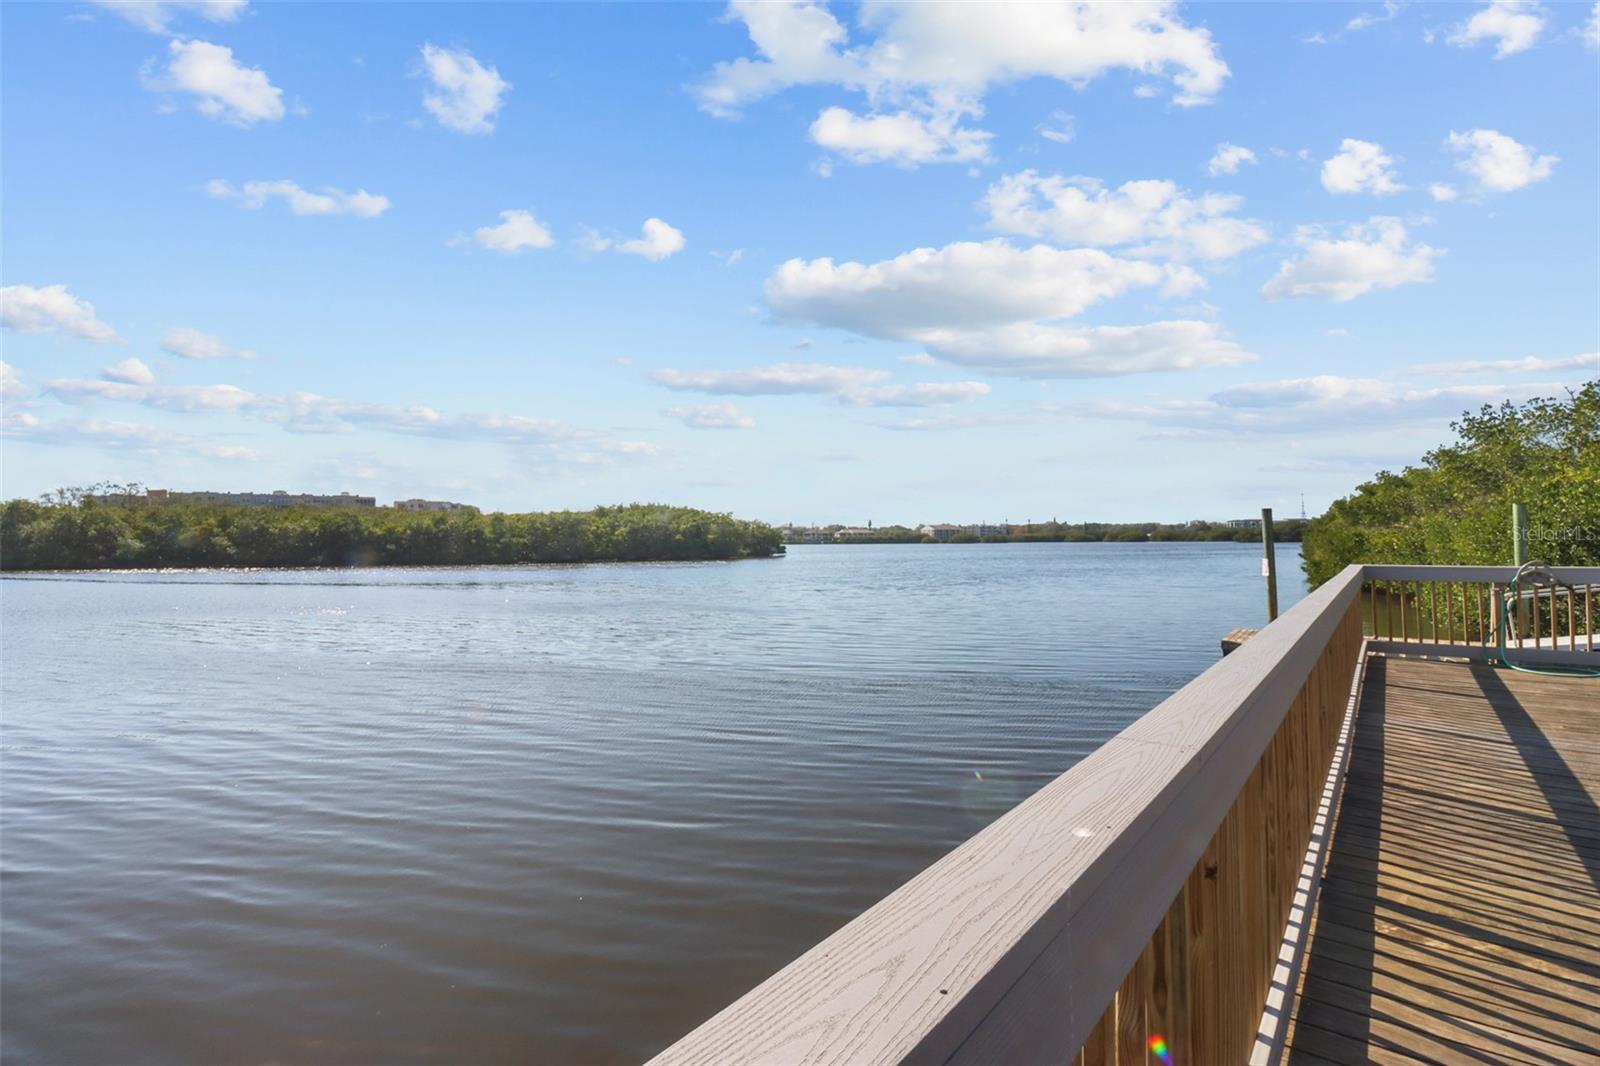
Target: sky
(802, 263)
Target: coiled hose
(1534, 572)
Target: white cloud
(1327, 403)
(922, 394)
(1372, 255)
(517, 232)
(1228, 159)
(101, 433)
(1514, 26)
(223, 88)
(307, 412)
(899, 137)
(854, 386)
(1156, 217)
(962, 285)
(1497, 162)
(1442, 192)
(711, 416)
(1061, 128)
(465, 94)
(11, 387)
(1360, 166)
(187, 343)
(658, 241)
(928, 66)
(157, 15)
(330, 201)
(52, 309)
(1590, 32)
(1367, 19)
(779, 379)
(1528, 364)
(1044, 350)
(995, 306)
(130, 371)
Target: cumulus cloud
(711, 416)
(1498, 163)
(1513, 26)
(329, 201)
(962, 285)
(52, 309)
(995, 306)
(1228, 158)
(188, 343)
(1442, 192)
(464, 95)
(130, 371)
(1377, 254)
(222, 87)
(658, 241)
(1154, 217)
(901, 137)
(928, 66)
(157, 15)
(1590, 32)
(517, 232)
(1589, 361)
(1360, 166)
(1325, 403)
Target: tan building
(431, 505)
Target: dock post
(1519, 534)
(1269, 563)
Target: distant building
(854, 533)
(982, 530)
(431, 505)
(805, 535)
(1245, 523)
(940, 531)
(275, 498)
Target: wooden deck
(1459, 915)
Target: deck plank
(1460, 913)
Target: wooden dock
(1459, 914)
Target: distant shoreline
(86, 536)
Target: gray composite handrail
(1010, 946)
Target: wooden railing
(1462, 608)
(1138, 902)
(1140, 895)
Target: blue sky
(848, 263)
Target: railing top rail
(1575, 575)
(1096, 856)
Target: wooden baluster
(1433, 612)
(1402, 599)
(1572, 622)
(1130, 1013)
(1477, 594)
(1588, 616)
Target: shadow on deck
(1459, 916)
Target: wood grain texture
(1460, 914)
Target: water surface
(537, 814)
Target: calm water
(515, 815)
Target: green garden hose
(1534, 571)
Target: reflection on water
(511, 815)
